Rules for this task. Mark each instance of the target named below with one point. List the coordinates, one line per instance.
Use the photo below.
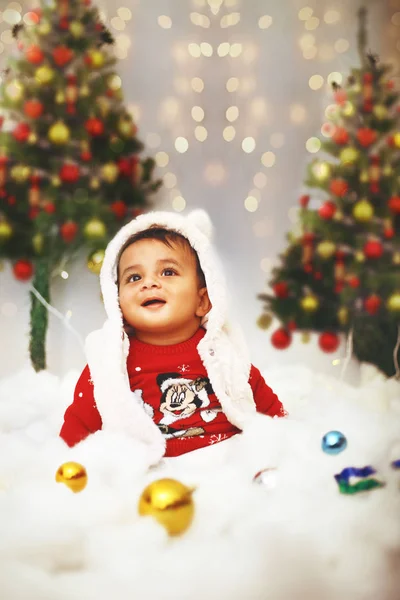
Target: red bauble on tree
(21, 132)
(281, 289)
(327, 210)
(119, 209)
(69, 173)
(339, 187)
(340, 96)
(62, 55)
(372, 304)
(68, 231)
(366, 136)
(94, 126)
(353, 281)
(340, 136)
(23, 270)
(281, 339)
(124, 166)
(34, 55)
(304, 200)
(328, 341)
(373, 249)
(33, 108)
(394, 205)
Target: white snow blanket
(293, 537)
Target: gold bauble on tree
(396, 139)
(73, 475)
(95, 261)
(94, 229)
(349, 155)
(77, 29)
(387, 171)
(364, 176)
(94, 183)
(393, 303)
(359, 256)
(44, 27)
(109, 172)
(59, 133)
(44, 75)
(32, 139)
(170, 502)
(305, 337)
(84, 90)
(396, 258)
(60, 97)
(14, 90)
(363, 211)
(20, 173)
(55, 181)
(6, 231)
(343, 315)
(96, 59)
(326, 249)
(264, 321)
(309, 303)
(380, 111)
(126, 127)
(348, 109)
(38, 243)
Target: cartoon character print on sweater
(180, 399)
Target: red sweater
(176, 393)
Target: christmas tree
(342, 274)
(70, 174)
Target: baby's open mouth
(153, 301)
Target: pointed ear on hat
(202, 221)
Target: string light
(194, 50)
(197, 113)
(206, 49)
(230, 20)
(305, 13)
(313, 144)
(223, 49)
(232, 84)
(164, 22)
(235, 50)
(117, 23)
(181, 144)
(310, 52)
(334, 77)
(200, 20)
(124, 13)
(260, 180)
(316, 82)
(331, 17)
(229, 133)
(266, 264)
(200, 133)
(170, 180)
(232, 113)
(306, 41)
(64, 274)
(251, 204)
(311, 24)
(162, 159)
(297, 113)
(179, 203)
(248, 144)
(265, 21)
(197, 84)
(341, 45)
(268, 159)
(11, 16)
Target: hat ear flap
(200, 219)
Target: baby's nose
(150, 282)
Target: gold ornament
(359, 256)
(5, 231)
(55, 181)
(326, 249)
(348, 109)
(396, 258)
(349, 156)
(170, 502)
(60, 97)
(14, 90)
(387, 171)
(321, 171)
(393, 303)
(309, 303)
(380, 111)
(338, 216)
(94, 229)
(73, 475)
(104, 105)
(96, 59)
(32, 139)
(38, 242)
(396, 139)
(44, 75)
(95, 261)
(77, 29)
(110, 172)
(343, 315)
(94, 183)
(44, 27)
(264, 321)
(364, 176)
(20, 173)
(126, 127)
(305, 337)
(363, 211)
(84, 90)
(59, 133)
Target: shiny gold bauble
(44, 27)
(60, 97)
(380, 111)
(104, 105)
(55, 181)
(338, 216)
(109, 172)
(126, 127)
(264, 321)
(84, 90)
(170, 502)
(38, 243)
(343, 315)
(387, 171)
(359, 256)
(363, 211)
(59, 133)
(348, 109)
(6, 231)
(96, 59)
(77, 29)
(321, 171)
(364, 176)
(393, 303)
(14, 90)
(305, 337)
(396, 139)
(349, 155)
(396, 258)
(73, 475)
(94, 183)
(32, 138)
(95, 261)
(326, 249)
(309, 303)
(94, 229)
(44, 75)
(20, 173)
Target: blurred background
(228, 96)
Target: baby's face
(159, 292)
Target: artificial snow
(292, 536)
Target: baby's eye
(168, 272)
(134, 277)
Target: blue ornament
(333, 442)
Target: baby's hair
(167, 237)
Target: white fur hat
(222, 349)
